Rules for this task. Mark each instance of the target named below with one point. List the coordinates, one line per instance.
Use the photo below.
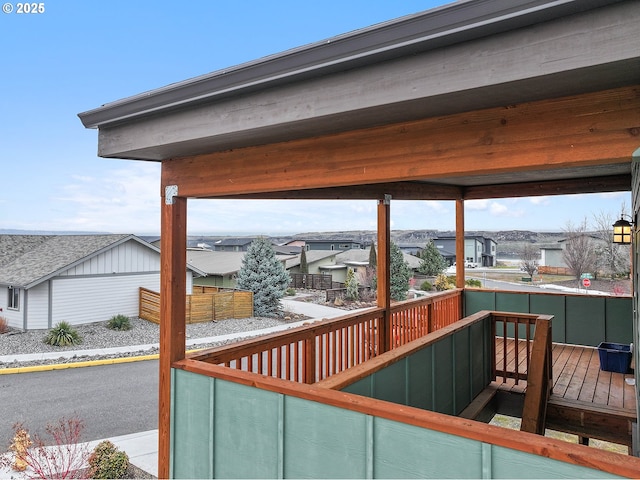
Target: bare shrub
(63, 456)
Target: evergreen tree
(373, 256)
(432, 262)
(264, 275)
(399, 272)
(304, 267)
(351, 283)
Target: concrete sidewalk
(312, 310)
(142, 447)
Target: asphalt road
(111, 400)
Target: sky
(77, 55)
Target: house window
(14, 298)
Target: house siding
(129, 257)
(38, 306)
(95, 299)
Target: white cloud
(125, 200)
(543, 200)
(476, 204)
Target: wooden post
(460, 258)
(173, 263)
(384, 272)
(309, 360)
(534, 410)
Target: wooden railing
(304, 354)
(316, 351)
(513, 344)
(413, 319)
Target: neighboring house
(489, 253)
(411, 248)
(233, 244)
(287, 249)
(317, 261)
(358, 259)
(75, 278)
(552, 255)
(477, 249)
(222, 268)
(332, 244)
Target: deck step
(478, 404)
(587, 420)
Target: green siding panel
(246, 431)
(578, 319)
(419, 378)
(512, 302)
(619, 327)
(193, 426)
(330, 442)
(476, 300)
(462, 367)
(443, 381)
(552, 305)
(508, 463)
(406, 451)
(390, 383)
(269, 435)
(480, 367)
(361, 387)
(585, 320)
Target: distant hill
(13, 231)
(510, 242)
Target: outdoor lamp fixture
(622, 231)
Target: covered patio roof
(501, 59)
(477, 99)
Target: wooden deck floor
(576, 376)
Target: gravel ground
(98, 336)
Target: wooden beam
(398, 190)
(460, 259)
(384, 273)
(610, 183)
(173, 264)
(600, 128)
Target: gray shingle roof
(215, 263)
(26, 260)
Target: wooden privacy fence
(316, 281)
(333, 293)
(203, 305)
(543, 269)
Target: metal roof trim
(436, 28)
